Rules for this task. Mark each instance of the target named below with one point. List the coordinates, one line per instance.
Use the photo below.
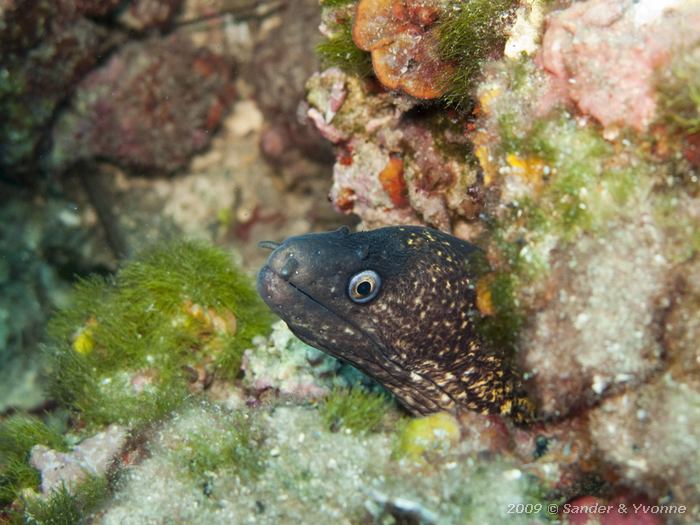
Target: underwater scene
(356, 262)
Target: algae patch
(229, 443)
(18, 434)
(132, 347)
(64, 507)
(468, 34)
(354, 409)
(339, 50)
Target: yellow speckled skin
(416, 337)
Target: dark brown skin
(407, 321)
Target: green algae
(468, 34)
(127, 348)
(501, 329)
(18, 434)
(232, 443)
(681, 228)
(312, 475)
(583, 182)
(562, 180)
(64, 507)
(354, 409)
(340, 51)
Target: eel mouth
(280, 293)
(299, 309)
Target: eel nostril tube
(268, 245)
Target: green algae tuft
(62, 507)
(336, 3)
(132, 347)
(18, 434)
(340, 51)
(468, 34)
(231, 442)
(354, 409)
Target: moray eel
(399, 303)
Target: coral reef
(150, 107)
(388, 171)
(572, 161)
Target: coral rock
(293, 368)
(650, 435)
(46, 50)
(357, 186)
(282, 63)
(91, 457)
(150, 107)
(591, 337)
(140, 15)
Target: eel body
(399, 303)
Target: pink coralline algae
(602, 56)
(150, 107)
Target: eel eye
(364, 286)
